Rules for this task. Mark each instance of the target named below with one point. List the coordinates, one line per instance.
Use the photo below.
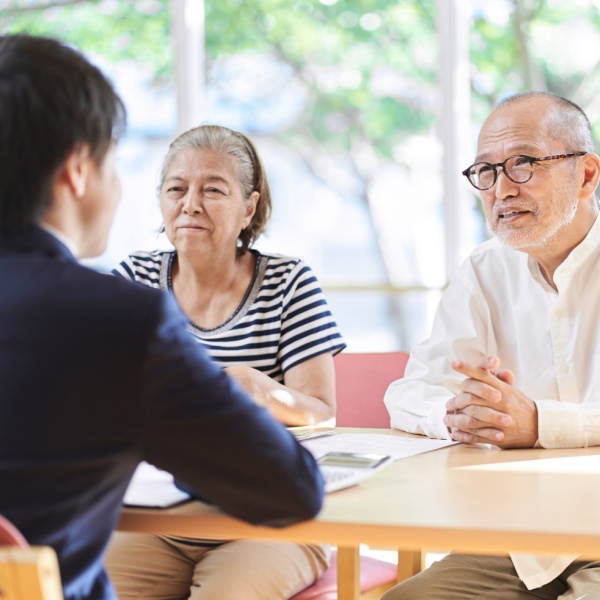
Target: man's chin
(519, 240)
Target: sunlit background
(364, 111)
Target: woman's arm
(307, 398)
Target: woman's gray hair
(250, 171)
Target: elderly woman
(263, 318)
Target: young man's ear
(76, 170)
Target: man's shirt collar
(61, 237)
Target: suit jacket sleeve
(201, 427)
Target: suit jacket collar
(32, 238)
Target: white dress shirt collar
(61, 237)
(590, 245)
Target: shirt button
(565, 368)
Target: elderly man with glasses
(514, 356)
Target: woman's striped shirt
(282, 321)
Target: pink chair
(376, 576)
(10, 535)
(361, 382)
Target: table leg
(348, 572)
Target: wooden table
(475, 499)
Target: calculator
(344, 469)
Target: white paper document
(395, 446)
(150, 487)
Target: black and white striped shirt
(282, 321)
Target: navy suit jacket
(97, 374)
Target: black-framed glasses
(518, 168)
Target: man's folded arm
(568, 425)
(418, 407)
(417, 402)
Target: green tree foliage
(549, 45)
(345, 53)
(117, 30)
(369, 67)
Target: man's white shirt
(499, 304)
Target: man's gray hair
(568, 122)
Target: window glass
(343, 101)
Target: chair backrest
(26, 573)
(361, 382)
(10, 535)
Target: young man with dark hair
(98, 374)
